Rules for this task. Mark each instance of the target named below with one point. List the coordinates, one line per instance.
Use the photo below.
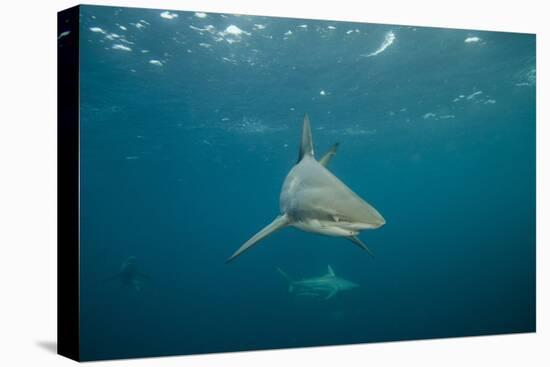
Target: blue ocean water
(190, 123)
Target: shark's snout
(371, 223)
(377, 220)
(380, 222)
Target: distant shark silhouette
(129, 274)
(328, 285)
(314, 200)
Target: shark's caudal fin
(306, 144)
(325, 160)
(285, 275)
(360, 243)
(289, 279)
(330, 271)
(279, 222)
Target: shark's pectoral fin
(279, 222)
(360, 243)
(332, 293)
(325, 160)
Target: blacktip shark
(314, 200)
(129, 274)
(328, 285)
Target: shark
(314, 200)
(129, 274)
(328, 285)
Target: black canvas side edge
(68, 328)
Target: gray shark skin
(314, 200)
(129, 274)
(327, 285)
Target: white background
(28, 183)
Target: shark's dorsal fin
(330, 271)
(325, 160)
(306, 144)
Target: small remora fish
(314, 200)
(327, 285)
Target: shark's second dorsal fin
(330, 271)
(306, 144)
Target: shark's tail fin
(289, 279)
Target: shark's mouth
(331, 224)
(328, 228)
